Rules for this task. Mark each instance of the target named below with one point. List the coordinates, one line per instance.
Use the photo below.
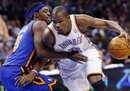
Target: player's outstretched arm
(84, 21)
(42, 52)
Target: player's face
(60, 23)
(44, 14)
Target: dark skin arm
(42, 52)
(84, 21)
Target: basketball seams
(118, 48)
(124, 53)
(123, 43)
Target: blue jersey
(24, 51)
(22, 58)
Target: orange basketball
(118, 48)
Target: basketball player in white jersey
(66, 34)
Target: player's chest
(67, 43)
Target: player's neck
(69, 27)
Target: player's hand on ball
(24, 80)
(124, 34)
(78, 57)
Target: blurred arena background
(13, 17)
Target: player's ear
(68, 17)
(35, 15)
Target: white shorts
(77, 82)
(94, 63)
(74, 75)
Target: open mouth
(49, 19)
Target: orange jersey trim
(27, 64)
(50, 85)
(38, 80)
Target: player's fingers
(128, 42)
(26, 83)
(17, 81)
(79, 57)
(121, 35)
(21, 81)
(77, 60)
(83, 58)
(17, 77)
(80, 62)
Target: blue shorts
(40, 83)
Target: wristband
(34, 71)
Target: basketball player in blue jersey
(66, 34)
(19, 72)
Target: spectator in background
(3, 38)
(3, 30)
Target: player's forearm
(51, 54)
(48, 53)
(114, 26)
(38, 65)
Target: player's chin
(48, 20)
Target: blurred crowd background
(13, 17)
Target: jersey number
(17, 43)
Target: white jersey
(74, 41)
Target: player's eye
(45, 10)
(60, 21)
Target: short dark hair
(60, 9)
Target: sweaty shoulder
(39, 25)
(48, 38)
(83, 21)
